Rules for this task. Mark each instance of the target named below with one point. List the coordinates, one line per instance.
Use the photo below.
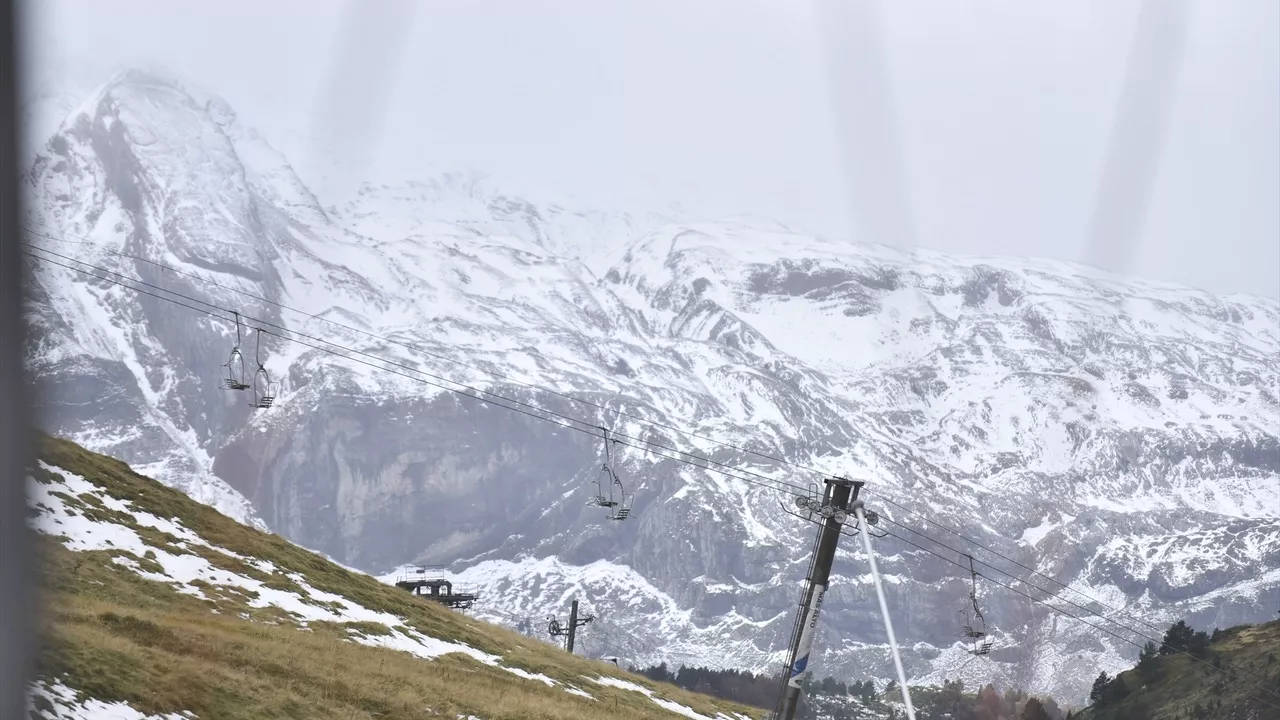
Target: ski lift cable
(720, 468)
(590, 432)
(1006, 558)
(584, 426)
(619, 411)
(1056, 596)
(580, 425)
(638, 444)
(566, 396)
(1006, 573)
(1010, 588)
(411, 346)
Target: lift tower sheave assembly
(834, 509)
(570, 631)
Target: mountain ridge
(1001, 400)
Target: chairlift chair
(233, 378)
(622, 509)
(974, 630)
(618, 502)
(974, 625)
(264, 388)
(600, 498)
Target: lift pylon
(834, 509)
(570, 631)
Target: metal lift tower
(834, 509)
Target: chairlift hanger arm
(257, 350)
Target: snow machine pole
(860, 511)
(835, 506)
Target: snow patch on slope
(669, 705)
(44, 696)
(191, 573)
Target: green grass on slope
(1180, 687)
(116, 636)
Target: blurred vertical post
(1139, 131)
(859, 82)
(16, 562)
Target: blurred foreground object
(16, 562)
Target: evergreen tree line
(733, 685)
(831, 699)
(820, 699)
(952, 702)
(1109, 694)
(1178, 638)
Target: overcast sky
(979, 126)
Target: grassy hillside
(161, 603)
(1175, 686)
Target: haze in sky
(1140, 137)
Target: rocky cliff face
(1121, 436)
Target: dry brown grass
(118, 637)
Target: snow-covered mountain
(1119, 435)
